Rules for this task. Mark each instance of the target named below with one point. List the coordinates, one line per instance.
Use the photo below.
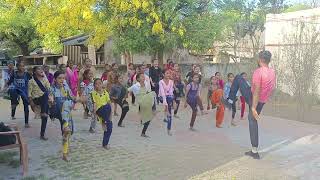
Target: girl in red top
(138, 71)
(130, 72)
(220, 81)
(213, 81)
(216, 98)
(178, 87)
(87, 79)
(104, 77)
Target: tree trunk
(24, 48)
(127, 57)
(159, 56)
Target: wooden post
(92, 54)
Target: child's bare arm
(186, 95)
(94, 108)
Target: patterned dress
(62, 111)
(145, 100)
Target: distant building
(76, 49)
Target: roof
(75, 40)
(42, 56)
(40, 51)
(4, 56)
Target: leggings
(43, 103)
(156, 90)
(193, 117)
(44, 121)
(169, 113)
(133, 98)
(193, 104)
(124, 110)
(14, 95)
(243, 105)
(234, 109)
(104, 112)
(240, 83)
(145, 127)
(177, 107)
(86, 110)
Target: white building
(282, 38)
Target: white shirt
(135, 88)
(147, 82)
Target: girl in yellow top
(102, 108)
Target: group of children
(100, 96)
(220, 95)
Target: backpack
(6, 139)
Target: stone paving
(186, 154)
(299, 159)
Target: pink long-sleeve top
(166, 90)
(221, 84)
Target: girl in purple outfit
(192, 92)
(49, 75)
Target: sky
(297, 1)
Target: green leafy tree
(297, 7)
(16, 25)
(159, 26)
(245, 19)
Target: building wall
(178, 55)
(279, 32)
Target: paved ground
(209, 153)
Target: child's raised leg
(169, 114)
(105, 113)
(200, 104)
(66, 141)
(177, 100)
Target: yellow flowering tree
(151, 26)
(57, 19)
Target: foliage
(57, 19)
(151, 26)
(244, 19)
(16, 25)
(297, 7)
(156, 26)
(272, 6)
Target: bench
(19, 144)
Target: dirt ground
(290, 111)
(285, 110)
